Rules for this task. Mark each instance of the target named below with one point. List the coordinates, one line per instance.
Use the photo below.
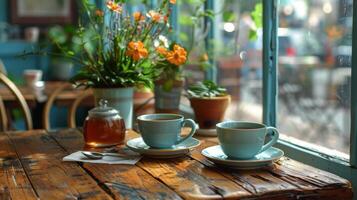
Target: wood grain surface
(31, 167)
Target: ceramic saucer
(207, 132)
(139, 146)
(266, 158)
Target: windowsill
(323, 152)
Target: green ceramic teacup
(244, 140)
(163, 130)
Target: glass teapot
(103, 126)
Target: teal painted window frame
(211, 73)
(353, 147)
(331, 163)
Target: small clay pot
(210, 111)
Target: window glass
(191, 34)
(238, 52)
(315, 46)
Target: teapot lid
(103, 110)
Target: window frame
(353, 139)
(316, 158)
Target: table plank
(189, 178)
(52, 178)
(192, 180)
(123, 181)
(286, 178)
(14, 183)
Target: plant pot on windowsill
(209, 110)
(209, 103)
(61, 69)
(168, 95)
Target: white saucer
(207, 132)
(139, 146)
(266, 158)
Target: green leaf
(229, 16)
(257, 15)
(206, 89)
(253, 35)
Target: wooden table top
(31, 168)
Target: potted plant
(169, 84)
(209, 103)
(61, 38)
(118, 52)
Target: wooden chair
(49, 103)
(16, 92)
(3, 117)
(2, 68)
(71, 117)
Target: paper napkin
(131, 159)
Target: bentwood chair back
(49, 103)
(2, 68)
(3, 117)
(71, 117)
(20, 98)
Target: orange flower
(114, 6)
(137, 50)
(178, 56)
(161, 50)
(99, 13)
(173, 1)
(155, 16)
(138, 16)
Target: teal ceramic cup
(163, 130)
(244, 140)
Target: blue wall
(3, 10)
(10, 51)
(9, 54)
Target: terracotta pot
(209, 111)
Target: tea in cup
(163, 130)
(244, 140)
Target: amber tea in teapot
(103, 126)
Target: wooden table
(31, 168)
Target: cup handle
(274, 139)
(191, 124)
